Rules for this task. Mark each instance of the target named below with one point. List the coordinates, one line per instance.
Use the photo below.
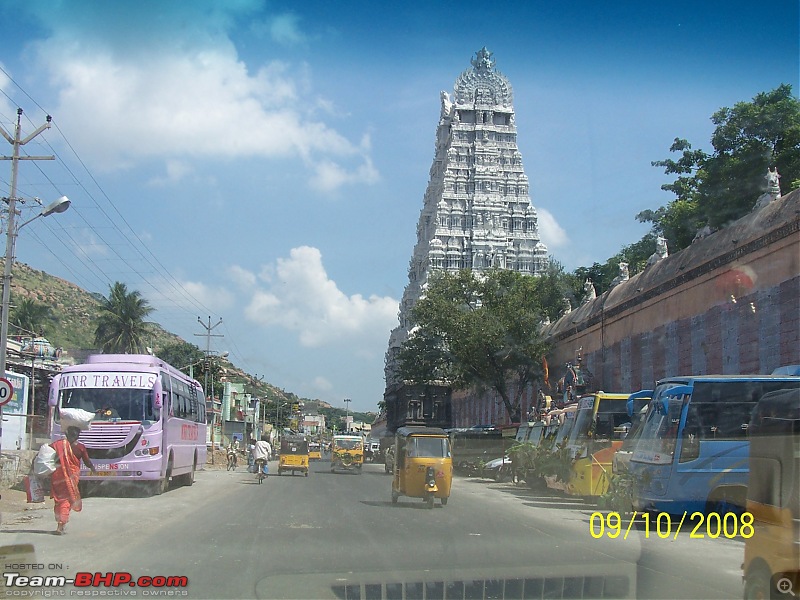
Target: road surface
(327, 535)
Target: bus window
(660, 432)
(691, 435)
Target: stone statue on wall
(591, 294)
(704, 232)
(773, 189)
(661, 252)
(623, 275)
(566, 307)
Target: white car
(497, 468)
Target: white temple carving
(477, 211)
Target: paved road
(309, 537)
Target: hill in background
(73, 318)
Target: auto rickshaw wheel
(444, 501)
(394, 497)
(429, 500)
(757, 584)
(306, 473)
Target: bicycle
(231, 461)
(260, 465)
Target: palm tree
(30, 316)
(121, 327)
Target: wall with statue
(729, 303)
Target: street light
(59, 206)
(347, 414)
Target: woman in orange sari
(64, 487)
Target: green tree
(30, 316)
(182, 354)
(715, 189)
(750, 138)
(480, 331)
(635, 255)
(121, 326)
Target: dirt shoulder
(14, 500)
(14, 504)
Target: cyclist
(261, 454)
(232, 456)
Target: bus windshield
(348, 444)
(583, 421)
(125, 404)
(659, 432)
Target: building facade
(477, 211)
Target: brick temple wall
(730, 303)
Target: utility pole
(11, 231)
(208, 335)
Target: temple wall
(730, 303)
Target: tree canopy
(121, 326)
(482, 331)
(30, 316)
(715, 189)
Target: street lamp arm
(59, 206)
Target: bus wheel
(188, 478)
(724, 501)
(164, 483)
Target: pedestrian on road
(64, 486)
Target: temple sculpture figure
(477, 212)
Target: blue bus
(692, 450)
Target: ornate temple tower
(477, 211)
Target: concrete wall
(730, 303)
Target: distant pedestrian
(64, 486)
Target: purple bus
(150, 418)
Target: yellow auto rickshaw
(423, 466)
(294, 455)
(769, 526)
(347, 452)
(314, 451)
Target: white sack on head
(75, 417)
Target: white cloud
(188, 95)
(188, 294)
(176, 171)
(245, 279)
(321, 384)
(88, 245)
(284, 30)
(552, 234)
(300, 297)
(329, 175)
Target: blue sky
(265, 162)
